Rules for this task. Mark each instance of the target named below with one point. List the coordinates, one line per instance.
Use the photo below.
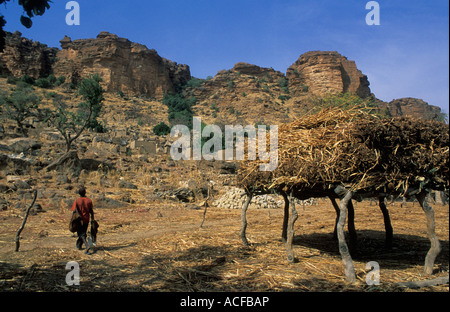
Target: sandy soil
(160, 247)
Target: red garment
(85, 207)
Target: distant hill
(245, 94)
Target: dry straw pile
(355, 149)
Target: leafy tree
(20, 104)
(71, 124)
(180, 109)
(91, 91)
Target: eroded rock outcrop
(414, 108)
(322, 72)
(123, 65)
(22, 56)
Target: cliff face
(22, 56)
(322, 72)
(412, 107)
(123, 65)
(246, 93)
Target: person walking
(85, 209)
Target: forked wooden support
(349, 269)
(431, 233)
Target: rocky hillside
(123, 65)
(244, 94)
(23, 56)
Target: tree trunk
(24, 221)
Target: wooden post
(387, 222)
(285, 218)
(210, 192)
(24, 221)
(244, 218)
(290, 229)
(336, 208)
(431, 233)
(349, 269)
(351, 225)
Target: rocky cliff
(322, 72)
(22, 56)
(123, 65)
(244, 94)
(412, 107)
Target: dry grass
(160, 247)
(357, 150)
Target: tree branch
(24, 221)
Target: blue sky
(407, 55)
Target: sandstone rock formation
(322, 72)
(413, 107)
(22, 56)
(123, 65)
(244, 94)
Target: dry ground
(160, 247)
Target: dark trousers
(82, 236)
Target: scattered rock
(234, 198)
(68, 161)
(182, 194)
(21, 185)
(62, 179)
(192, 206)
(43, 233)
(23, 145)
(127, 185)
(228, 168)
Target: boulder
(68, 161)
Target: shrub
(27, 79)
(12, 80)
(43, 83)
(60, 80)
(161, 129)
(180, 111)
(51, 78)
(194, 83)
